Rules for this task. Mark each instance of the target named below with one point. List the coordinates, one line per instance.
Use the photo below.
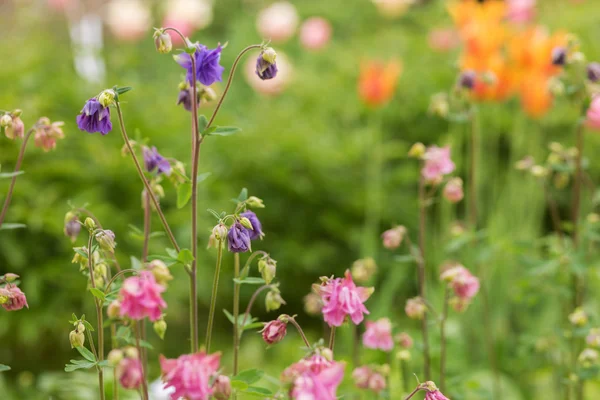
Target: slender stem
(356, 346)
(403, 375)
(91, 340)
(229, 80)
(122, 272)
(99, 316)
(144, 180)
(139, 349)
(412, 393)
(13, 181)
(253, 256)
(422, 277)
(251, 303)
(293, 321)
(113, 336)
(473, 173)
(213, 297)
(332, 338)
(236, 312)
(554, 214)
(443, 340)
(147, 226)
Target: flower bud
(254, 202)
(364, 269)
(16, 129)
(267, 268)
(467, 79)
(115, 356)
(361, 377)
(274, 331)
(593, 72)
(100, 270)
(326, 353)
(106, 240)
(246, 223)
(222, 388)
(114, 309)
(417, 150)
(403, 355)
(578, 317)
(10, 277)
(313, 304)
(6, 121)
(76, 338)
(453, 191)
(160, 327)
(162, 41)
(80, 327)
(415, 308)
(538, 171)
(161, 272)
(273, 300)
(90, 224)
(404, 340)
(376, 382)
(220, 231)
(593, 338)
(392, 238)
(131, 352)
(588, 357)
(559, 56)
(266, 67)
(207, 94)
(106, 98)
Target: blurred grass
(302, 152)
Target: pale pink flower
(443, 40)
(274, 331)
(593, 338)
(459, 304)
(593, 114)
(392, 238)
(465, 285)
(190, 375)
(437, 163)
(315, 33)
(195, 14)
(60, 5)
(47, 133)
(183, 26)
(314, 364)
(128, 19)
(13, 298)
(141, 297)
(377, 382)
(318, 386)
(342, 298)
(415, 308)
(404, 340)
(278, 22)
(130, 373)
(379, 335)
(361, 377)
(435, 395)
(520, 11)
(453, 191)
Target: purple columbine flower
(266, 68)
(208, 69)
(153, 160)
(256, 231)
(238, 238)
(593, 72)
(185, 98)
(94, 118)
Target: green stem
(443, 340)
(251, 303)
(113, 336)
(413, 393)
(422, 276)
(99, 317)
(293, 321)
(213, 298)
(118, 274)
(236, 311)
(332, 338)
(147, 227)
(140, 353)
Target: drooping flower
(342, 298)
(377, 82)
(278, 22)
(130, 373)
(379, 335)
(270, 87)
(12, 298)
(464, 284)
(437, 163)
(266, 67)
(256, 231)
(222, 388)
(322, 385)
(47, 133)
(153, 160)
(404, 340)
(453, 191)
(392, 238)
(190, 375)
(141, 297)
(94, 117)
(415, 308)
(274, 331)
(72, 226)
(315, 363)
(208, 69)
(592, 120)
(185, 98)
(16, 129)
(238, 238)
(361, 376)
(432, 392)
(315, 33)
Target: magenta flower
(208, 69)
(379, 335)
(274, 332)
(314, 364)
(465, 285)
(322, 385)
(437, 163)
(593, 114)
(12, 298)
(190, 375)
(130, 373)
(141, 297)
(435, 395)
(342, 298)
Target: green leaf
(88, 355)
(79, 364)
(99, 294)
(239, 385)
(249, 376)
(243, 195)
(224, 131)
(258, 391)
(4, 175)
(202, 122)
(214, 213)
(202, 177)
(229, 316)
(124, 89)
(184, 193)
(88, 326)
(251, 280)
(185, 256)
(4, 368)
(253, 325)
(172, 253)
(6, 226)
(135, 263)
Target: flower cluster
(464, 285)
(370, 378)
(379, 335)
(314, 377)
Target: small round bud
(269, 55)
(327, 353)
(162, 41)
(76, 338)
(266, 67)
(403, 355)
(559, 56)
(80, 327)
(255, 202)
(6, 121)
(246, 223)
(467, 79)
(313, 304)
(161, 272)
(160, 327)
(131, 352)
(453, 191)
(267, 268)
(415, 308)
(222, 388)
(115, 356)
(10, 277)
(274, 331)
(578, 317)
(207, 94)
(106, 240)
(404, 340)
(593, 72)
(273, 300)
(538, 171)
(417, 150)
(220, 231)
(392, 238)
(114, 309)
(90, 224)
(107, 97)
(363, 269)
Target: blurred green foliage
(304, 153)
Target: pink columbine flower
(415, 308)
(435, 395)
(141, 297)
(437, 163)
(377, 382)
(342, 298)
(392, 238)
(379, 335)
(404, 340)
(322, 385)
(453, 191)
(593, 114)
(361, 377)
(13, 298)
(315, 33)
(130, 373)
(465, 285)
(274, 331)
(520, 11)
(315, 364)
(190, 375)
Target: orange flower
(500, 82)
(377, 82)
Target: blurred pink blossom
(190, 375)
(593, 114)
(130, 373)
(379, 335)
(322, 385)
(278, 22)
(128, 19)
(315, 364)
(465, 285)
(443, 39)
(453, 191)
(437, 163)
(520, 11)
(392, 238)
(315, 33)
(415, 308)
